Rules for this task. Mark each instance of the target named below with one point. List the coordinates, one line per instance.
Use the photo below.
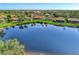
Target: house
(28, 18)
(14, 18)
(38, 12)
(49, 18)
(37, 16)
(58, 19)
(73, 20)
(2, 18)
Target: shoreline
(2, 26)
(36, 53)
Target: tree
(8, 18)
(11, 47)
(66, 19)
(55, 15)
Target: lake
(46, 38)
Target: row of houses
(70, 20)
(39, 16)
(57, 19)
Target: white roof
(73, 19)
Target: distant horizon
(39, 6)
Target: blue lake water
(50, 38)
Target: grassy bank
(4, 25)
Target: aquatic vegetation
(11, 47)
(2, 33)
(21, 27)
(25, 26)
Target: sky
(39, 6)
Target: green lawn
(4, 25)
